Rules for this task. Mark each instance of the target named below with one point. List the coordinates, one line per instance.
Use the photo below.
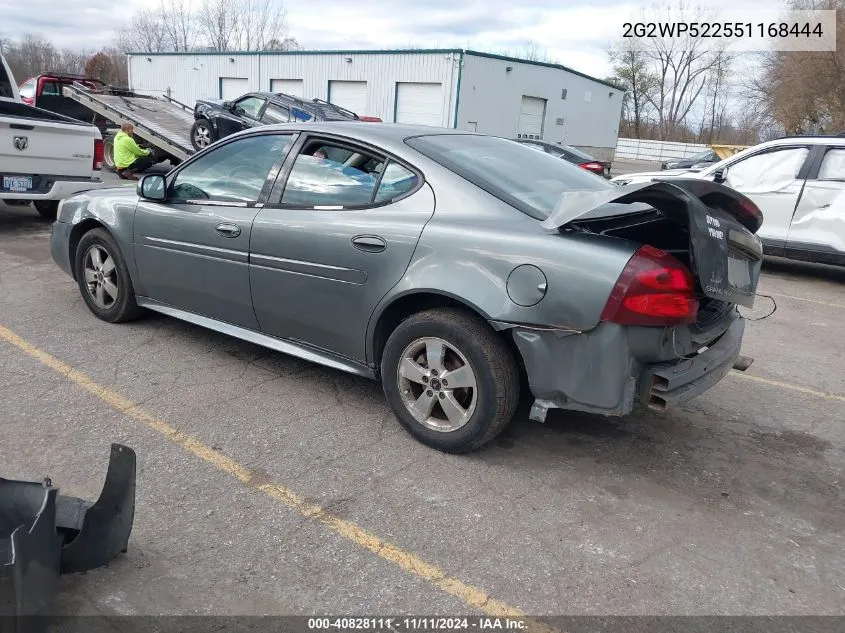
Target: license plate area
(727, 258)
(16, 184)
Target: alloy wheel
(437, 384)
(202, 136)
(101, 276)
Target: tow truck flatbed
(163, 123)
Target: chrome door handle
(228, 230)
(369, 243)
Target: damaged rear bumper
(609, 369)
(44, 534)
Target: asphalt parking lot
(267, 485)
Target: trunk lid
(36, 142)
(717, 223)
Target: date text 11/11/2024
(718, 30)
(415, 624)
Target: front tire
(202, 134)
(103, 278)
(450, 380)
(47, 209)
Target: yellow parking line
(824, 303)
(411, 563)
(785, 385)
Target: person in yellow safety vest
(129, 159)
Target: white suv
(798, 183)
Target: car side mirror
(153, 187)
(227, 105)
(720, 175)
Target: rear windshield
(529, 180)
(27, 89)
(577, 153)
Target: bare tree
(73, 61)
(146, 33)
(286, 44)
(716, 101)
(632, 71)
(259, 23)
(804, 92)
(681, 65)
(179, 24)
(217, 23)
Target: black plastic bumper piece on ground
(44, 534)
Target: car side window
(234, 172)
(50, 88)
(833, 165)
(396, 181)
(251, 106)
(331, 174)
(766, 172)
(275, 113)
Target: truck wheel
(202, 134)
(103, 278)
(47, 208)
(108, 155)
(450, 380)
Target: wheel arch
(80, 229)
(400, 307)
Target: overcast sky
(575, 32)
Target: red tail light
(28, 100)
(654, 289)
(370, 119)
(98, 154)
(592, 166)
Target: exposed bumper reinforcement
(44, 534)
(666, 385)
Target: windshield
(529, 180)
(578, 153)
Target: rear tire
(47, 209)
(103, 278)
(451, 418)
(202, 134)
(108, 155)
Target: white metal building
(456, 88)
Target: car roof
(368, 132)
(810, 140)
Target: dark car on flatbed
(216, 118)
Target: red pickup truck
(45, 92)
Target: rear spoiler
(44, 534)
(666, 196)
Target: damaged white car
(799, 185)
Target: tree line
(696, 91)
(172, 26)
(214, 25)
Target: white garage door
(233, 87)
(532, 113)
(293, 87)
(419, 103)
(351, 95)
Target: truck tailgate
(41, 145)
